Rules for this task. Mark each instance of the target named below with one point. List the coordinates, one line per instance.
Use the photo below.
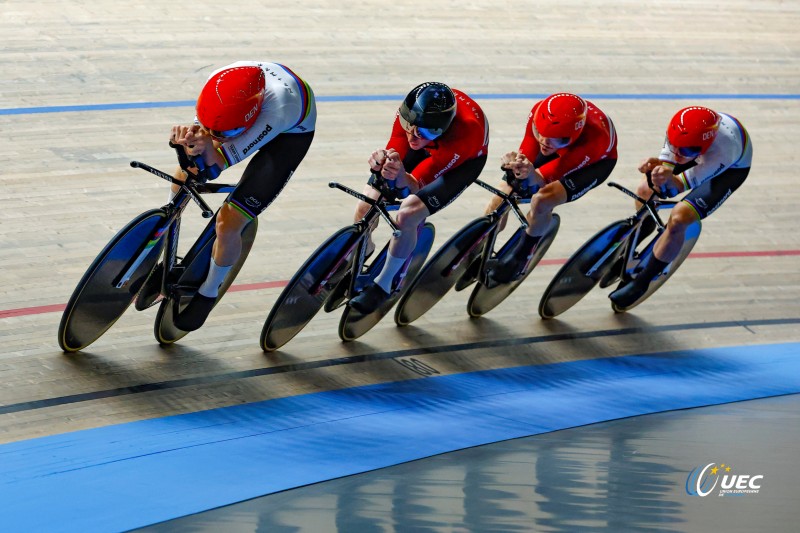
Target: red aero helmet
(560, 116)
(231, 100)
(693, 129)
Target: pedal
(181, 294)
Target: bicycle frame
(630, 239)
(379, 207)
(190, 189)
(510, 202)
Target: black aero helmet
(431, 107)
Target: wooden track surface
(67, 186)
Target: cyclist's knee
(229, 221)
(682, 216)
(543, 202)
(412, 212)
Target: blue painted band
(131, 475)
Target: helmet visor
(689, 152)
(227, 134)
(428, 134)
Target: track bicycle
(337, 270)
(128, 268)
(614, 254)
(468, 257)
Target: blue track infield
(131, 475)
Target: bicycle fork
(124, 278)
(456, 262)
(629, 239)
(173, 210)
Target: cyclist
(706, 152)
(569, 147)
(248, 108)
(436, 150)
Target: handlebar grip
(186, 161)
(661, 192)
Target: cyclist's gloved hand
(192, 143)
(519, 165)
(376, 160)
(507, 160)
(524, 188)
(388, 188)
(390, 166)
(393, 168)
(660, 180)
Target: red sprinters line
(54, 308)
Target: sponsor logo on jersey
(252, 202)
(720, 169)
(584, 191)
(727, 194)
(452, 162)
(231, 149)
(257, 140)
(582, 164)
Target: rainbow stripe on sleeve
(305, 92)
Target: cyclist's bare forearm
(493, 204)
(496, 201)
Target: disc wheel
(444, 269)
(484, 298)
(97, 303)
(307, 292)
(572, 281)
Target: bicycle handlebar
(651, 204)
(195, 185)
(510, 200)
(188, 186)
(380, 204)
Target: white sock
(216, 275)
(172, 194)
(390, 269)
